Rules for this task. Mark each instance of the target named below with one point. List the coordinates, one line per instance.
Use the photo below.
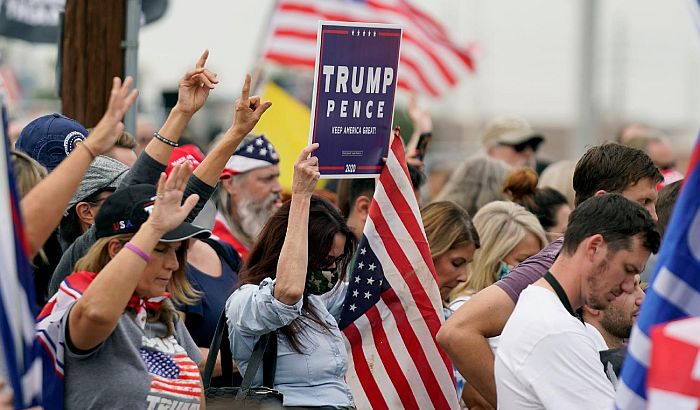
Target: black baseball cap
(128, 208)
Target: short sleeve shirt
(135, 369)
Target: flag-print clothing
(135, 368)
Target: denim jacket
(315, 377)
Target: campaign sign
(353, 100)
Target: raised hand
(420, 116)
(109, 129)
(194, 87)
(306, 172)
(169, 211)
(248, 110)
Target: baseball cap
(128, 208)
(187, 152)
(104, 173)
(510, 130)
(50, 138)
(255, 152)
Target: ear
(361, 207)
(113, 247)
(594, 245)
(227, 185)
(600, 192)
(590, 311)
(85, 213)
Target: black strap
(560, 293)
(234, 264)
(265, 351)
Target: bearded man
(248, 194)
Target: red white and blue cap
(256, 152)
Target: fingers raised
(306, 152)
(245, 92)
(203, 59)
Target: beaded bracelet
(135, 249)
(164, 140)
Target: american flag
(674, 292)
(176, 375)
(430, 62)
(393, 308)
(20, 354)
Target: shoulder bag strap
(220, 335)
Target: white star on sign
(355, 293)
(360, 265)
(353, 307)
(249, 149)
(363, 251)
(375, 34)
(259, 142)
(370, 281)
(353, 32)
(263, 151)
(372, 266)
(368, 295)
(357, 279)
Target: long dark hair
(324, 222)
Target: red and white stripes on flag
(393, 307)
(430, 62)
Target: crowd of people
(541, 268)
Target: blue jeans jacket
(315, 377)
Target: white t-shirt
(597, 338)
(547, 360)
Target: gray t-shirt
(134, 369)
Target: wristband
(164, 140)
(85, 145)
(135, 249)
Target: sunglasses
(330, 261)
(531, 143)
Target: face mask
(505, 270)
(320, 282)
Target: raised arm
(292, 264)
(464, 338)
(192, 93)
(248, 111)
(43, 206)
(95, 315)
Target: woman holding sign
(292, 285)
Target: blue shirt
(315, 377)
(202, 317)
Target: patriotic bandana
(256, 153)
(142, 305)
(321, 281)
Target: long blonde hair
(181, 291)
(501, 226)
(447, 226)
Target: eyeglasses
(331, 261)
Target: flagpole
(588, 115)
(257, 71)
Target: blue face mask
(505, 270)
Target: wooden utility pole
(92, 56)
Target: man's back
(547, 360)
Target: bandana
(143, 305)
(254, 154)
(320, 282)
